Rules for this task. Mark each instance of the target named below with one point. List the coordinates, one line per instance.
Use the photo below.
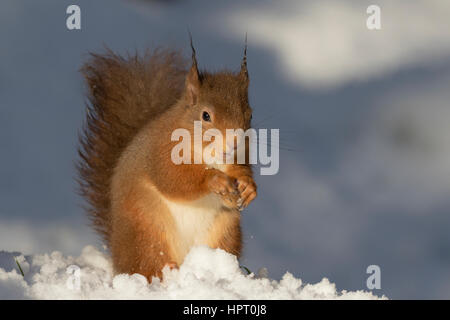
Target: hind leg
(225, 233)
(141, 241)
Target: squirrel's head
(219, 100)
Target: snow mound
(205, 274)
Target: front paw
(225, 187)
(247, 191)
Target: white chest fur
(193, 221)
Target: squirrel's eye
(206, 116)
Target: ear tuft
(244, 72)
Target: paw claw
(247, 189)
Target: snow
(205, 274)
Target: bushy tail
(124, 94)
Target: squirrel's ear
(193, 78)
(192, 85)
(244, 72)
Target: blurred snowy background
(366, 112)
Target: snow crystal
(205, 274)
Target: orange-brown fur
(149, 210)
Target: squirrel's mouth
(228, 154)
(223, 156)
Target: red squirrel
(148, 210)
